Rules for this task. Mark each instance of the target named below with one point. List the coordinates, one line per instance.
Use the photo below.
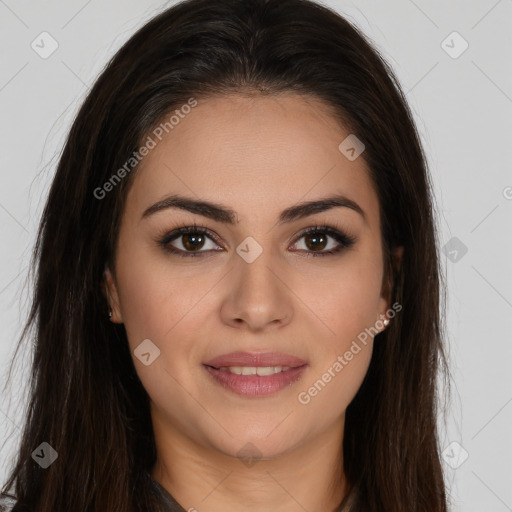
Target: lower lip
(256, 385)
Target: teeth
(254, 370)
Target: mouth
(255, 374)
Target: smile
(254, 370)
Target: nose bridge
(254, 270)
(256, 295)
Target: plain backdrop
(453, 60)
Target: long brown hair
(86, 400)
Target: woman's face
(212, 318)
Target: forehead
(256, 154)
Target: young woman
(237, 303)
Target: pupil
(193, 241)
(318, 241)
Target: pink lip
(255, 385)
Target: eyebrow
(226, 215)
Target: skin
(256, 155)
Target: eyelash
(344, 240)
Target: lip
(255, 385)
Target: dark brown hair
(86, 400)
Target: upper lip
(255, 359)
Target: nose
(257, 297)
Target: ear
(390, 270)
(112, 296)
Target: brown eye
(189, 241)
(315, 241)
(323, 241)
(193, 241)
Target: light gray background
(462, 107)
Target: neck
(309, 477)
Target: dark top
(169, 504)
(8, 503)
(166, 501)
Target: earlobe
(110, 291)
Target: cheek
(351, 306)
(348, 303)
(345, 357)
(154, 297)
(161, 306)
(141, 301)
(332, 391)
